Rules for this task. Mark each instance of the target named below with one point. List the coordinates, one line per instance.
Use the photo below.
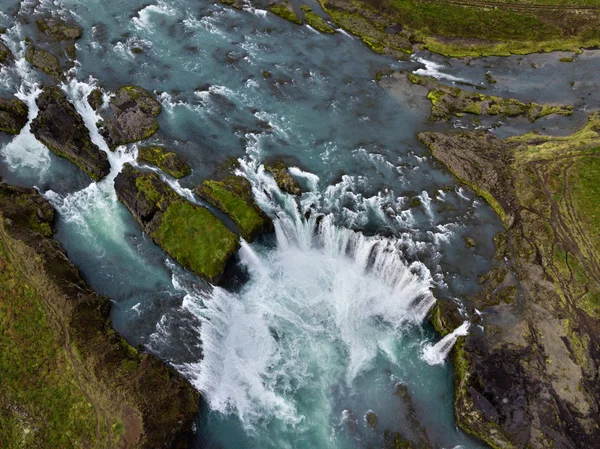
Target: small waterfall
(436, 354)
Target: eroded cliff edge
(67, 378)
(531, 377)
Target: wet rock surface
(13, 115)
(167, 161)
(62, 130)
(285, 181)
(5, 54)
(43, 60)
(134, 112)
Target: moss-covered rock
(285, 11)
(5, 54)
(59, 126)
(233, 196)
(190, 234)
(68, 380)
(134, 116)
(168, 162)
(316, 21)
(13, 115)
(448, 101)
(59, 30)
(43, 60)
(285, 181)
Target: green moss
(166, 161)
(285, 12)
(416, 79)
(236, 203)
(41, 405)
(196, 239)
(316, 21)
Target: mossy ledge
(59, 126)
(67, 378)
(285, 11)
(233, 196)
(529, 378)
(316, 21)
(43, 60)
(167, 161)
(190, 234)
(284, 180)
(449, 101)
(471, 28)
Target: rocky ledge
(5, 53)
(530, 378)
(43, 60)
(13, 115)
(190, 234)
(167, 161)
(233, 196)
(68, 380)
(284, 180)
(133, 117)
(62, 130)
(451, 101)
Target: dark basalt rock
(43, 60)
(13, 115)
(5, 54)
(62, 130)
(134, 116)
(95, 99)
(154, 405)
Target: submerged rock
(233, 196)
(62, 130)
(43, 60)
(190, 234)
(372, 419)
(168, 162)
(5, 54)
(285, 181)
(13, 115)
(68, 379)
(134, 116)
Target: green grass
(245, 215)
(584, 179)
(196, 239)
(41, 405)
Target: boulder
(134, 116)
(233, 196)
(59, 30)
(62, 130)
(13, 115)
(5, 54)
(285, 181)
(43, 60)
(95, 99)
(190, 234)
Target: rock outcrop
(167, 161)
(43, 60)
(67, 378)
(5, 54)
(133, 118)
(285, 181)
(59, 30)
(190, 234)
(530, 378)
(233, 195)
(13, 115)
(62, 130)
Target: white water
(436, 354)
(316, 312)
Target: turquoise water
(318, 325)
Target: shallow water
(328, 323)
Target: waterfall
(436, 354)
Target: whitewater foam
(436, 354)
